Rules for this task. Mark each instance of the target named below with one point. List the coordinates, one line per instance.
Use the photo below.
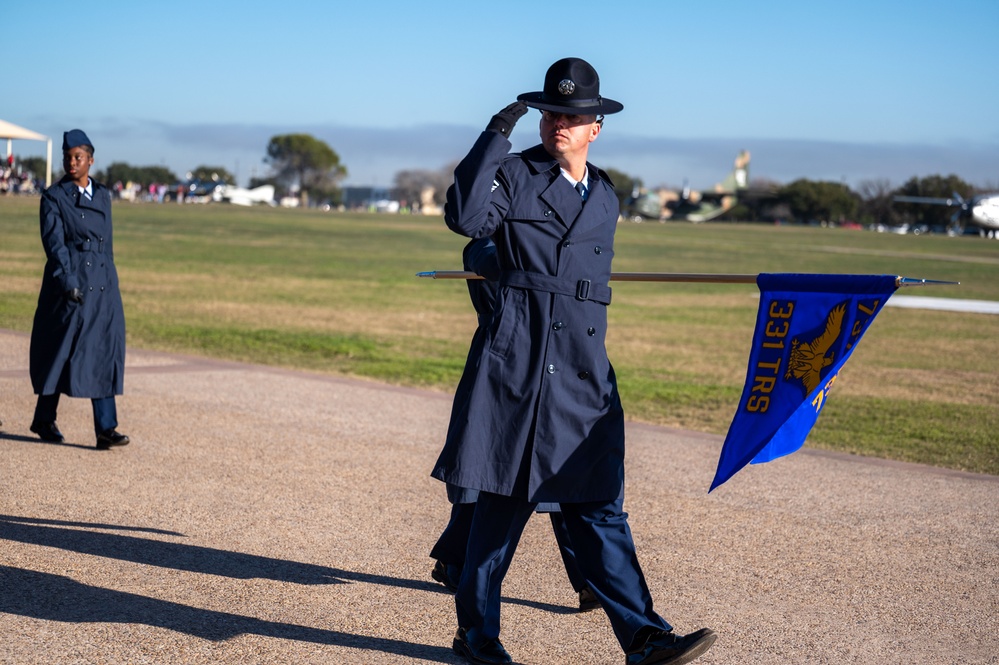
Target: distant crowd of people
(15, 180)
(135, 191)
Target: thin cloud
(373, 156)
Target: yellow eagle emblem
(807, 359)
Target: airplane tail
(738, 179)
(726, 193)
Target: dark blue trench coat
(537, 413)
(78, 349)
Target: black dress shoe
(668, 648)
(587, 600)
(110, 437)
(486, 651)
(47, 432)
(447, 574)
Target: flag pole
(714, 278)
(915, 281)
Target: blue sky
(844, 91)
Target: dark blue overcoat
(78, 349)
(541, 399)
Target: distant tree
(876, 202)
(33, 165)
(117, 171)
(214, 174)
(257, 182)
(935, 186)
(757, 203)
(305, 161)
(820, 201)
(409, 185)
(625, 186)
(144, 175)
(156, 174)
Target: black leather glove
(75, 295)
(503, 122)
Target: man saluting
(538, 418)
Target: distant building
(363, 198)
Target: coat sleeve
(53, 232)
(479, 199)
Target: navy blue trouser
(450, 548)
(605, 554)
(105, 411)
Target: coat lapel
(598, 207)
(79, 200)
(564, 200)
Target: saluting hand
(503, 122)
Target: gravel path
(272, 516)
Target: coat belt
(580, 289)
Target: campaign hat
(571, 86)
(74, 138)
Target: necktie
(581, 189)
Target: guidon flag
(806, 328)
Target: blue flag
(806, 328)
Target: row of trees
(801, 201)
(833, 202)
(147, 175)
(304, 164)
(300, 163)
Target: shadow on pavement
(78, 537)
(34, 439)
(181, 556)
(57, 598)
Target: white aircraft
(246, 197)
(981, 211)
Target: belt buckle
(583, 289)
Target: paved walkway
(272, 516)
(944, 304)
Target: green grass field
(336, 293)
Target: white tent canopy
(11, 131)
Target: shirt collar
(88, 190)
(573, 181)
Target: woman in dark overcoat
(78, 335)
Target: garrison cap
(74, 138)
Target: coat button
(583, 375)
(88, 264)
(591, 331)
(557, 325)
(566, 243)
(548, 213)
(597, 250)
(551, 369)
(91, 288)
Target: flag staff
(715, 278)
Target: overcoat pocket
(508, 320)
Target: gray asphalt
(271, 516)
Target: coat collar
(564, 200)
(72, 192)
